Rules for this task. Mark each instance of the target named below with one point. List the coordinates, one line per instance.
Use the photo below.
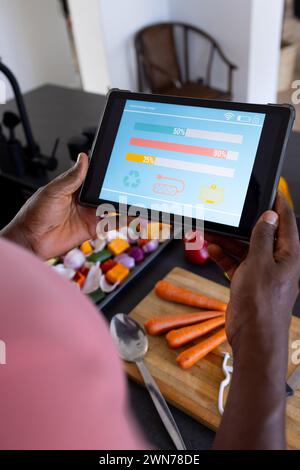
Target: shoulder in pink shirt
(62, 386)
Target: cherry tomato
(107, 265)
(197, 254)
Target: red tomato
(107, 265)
(142, 242)
(84, 270)
(198, 253)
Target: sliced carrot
(168, 291)
(160, 325)
(177, 338)
(190, 356)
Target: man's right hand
(264, 286)
(264, 276)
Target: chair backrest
(158, 60)
(155, 45)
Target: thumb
(262, 238)
(68, 182)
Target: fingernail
(79, 158)
(270, 217)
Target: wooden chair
(158, 62)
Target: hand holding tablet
(215, 160)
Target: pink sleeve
(62, 386)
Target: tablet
(201, 159)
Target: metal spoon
(132, 344)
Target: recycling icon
(132, 180)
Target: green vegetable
(100, 256)
(96, 296)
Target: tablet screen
(177, 158)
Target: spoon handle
(161, 406)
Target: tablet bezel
(271, 142)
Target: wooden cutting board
(195, 391)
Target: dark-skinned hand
(264, 275)
(52, 222)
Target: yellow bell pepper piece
(118, 246)
(86, 248)
(285, 190)
(117, 274)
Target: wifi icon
(228, 116)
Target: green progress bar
(140, 126)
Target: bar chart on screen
(188, 155)
(172, 147)
(183, 148)
(187, 132)
(180, 165)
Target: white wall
(34, 43)
(103, 35)
(120, 21)
(89, 40)
(264, 57)
(249, 32)
(228, 21)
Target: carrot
(190, 356)
(159, 325)
(168, 291)
(177, 338)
